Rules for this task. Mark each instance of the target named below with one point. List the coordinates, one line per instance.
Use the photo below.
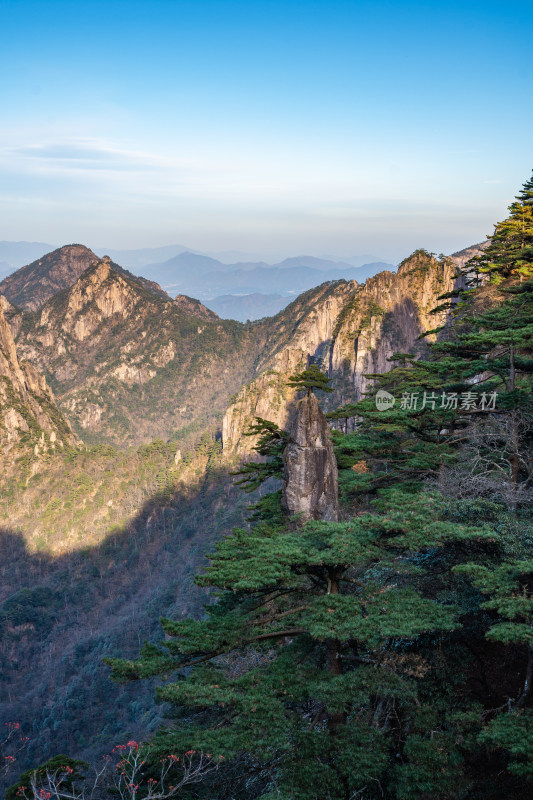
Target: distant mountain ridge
(17, 254)
(137, 259)
(205, 277)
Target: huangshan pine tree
(475, 443)
(510, 251)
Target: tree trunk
(334, 663)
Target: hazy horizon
(272, 128)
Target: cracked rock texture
(310, 485)
(301, 332)
(349, 331)
(29, 418)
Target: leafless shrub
(495, 461)
(124, 776)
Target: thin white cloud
(91, 154)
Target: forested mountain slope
(118, 544)
(379, 647)
(107, 538)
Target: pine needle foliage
(310, 379)
(510, 252)
(270, 444)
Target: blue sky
(270, 127)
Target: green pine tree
(310, 379)
(271, 442)
(510, 252)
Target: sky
(275, 128)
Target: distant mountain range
(17, 254)
(137, 259)
(241, 290)
(208, 279)
(143, 257)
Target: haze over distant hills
(17, 254)
(246, 288)
(147, 256)
(238, 290)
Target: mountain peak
(32, 285)
(99, 272)
(101, 291)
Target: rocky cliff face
(129, 365)
(30, 422)
(462, 256)
(310, 485)
(387, 315)
(12, 315)
(301, 332)
(31, 286)
(349, 331)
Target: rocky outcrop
(12, 315)
(462, 256)
(304, 329)
(30, 286)
(30, 421)
(388, 315)
(193, 307)
(310, 486)
(101, 294)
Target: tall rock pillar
(310, 486)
